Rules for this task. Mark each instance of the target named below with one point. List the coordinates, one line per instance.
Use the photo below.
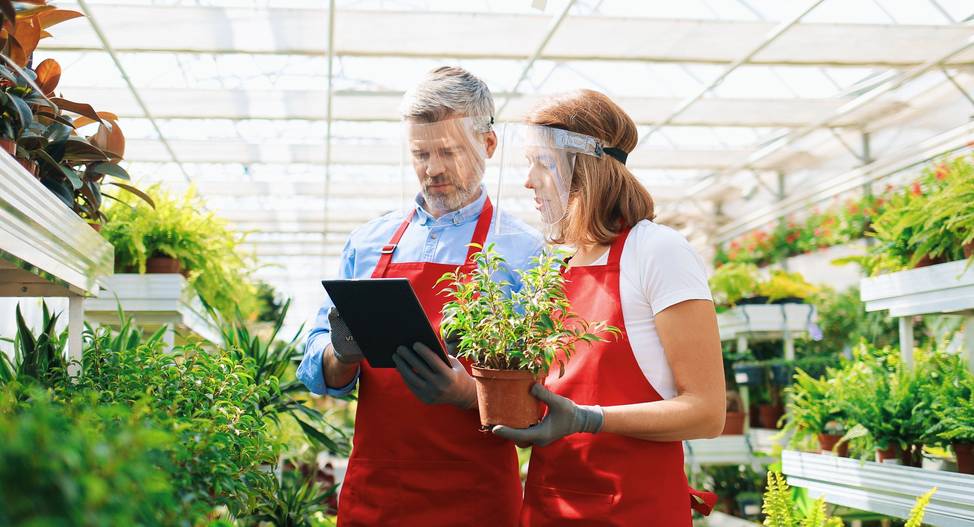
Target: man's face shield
(448, 158)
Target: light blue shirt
(427, 239)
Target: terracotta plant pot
(504, 397)
(161, 265)
(965, 457)
(827, 442)
(95, 225)
(9, 146)
(30, 166)
(733, 424)
(769, 414)
(890, 454)
(968, 249)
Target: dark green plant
(531, 329)
(270, 306)
(40, 357)
(294, 500)
(271, 361)
(79, 463)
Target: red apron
(606, 479)
(419, 464)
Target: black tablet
(383, 314)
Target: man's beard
(450, 201)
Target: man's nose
(435, 166)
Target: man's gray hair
(446, 91)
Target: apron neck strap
(480, 231)
(479, 237)
(385, 256)
(615, 251)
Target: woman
(609, 450)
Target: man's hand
(432, 381)
(564, 418)
(344, 347)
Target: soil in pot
(504, 397)
(965, 457)
(161, 265)
(733, 424)
(769, 415)
(752, 300)
(789, 300)
(827, 442)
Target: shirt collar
(458, 217)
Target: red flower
(941, 173)
(915, 188)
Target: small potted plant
(954, 410)
(814, 409)
(734, 420)
(513, 338)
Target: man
(418, 456)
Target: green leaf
(108, 169)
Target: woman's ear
(490, 142)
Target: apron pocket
(590, 508)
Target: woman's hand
(564, 418)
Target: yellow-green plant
(781, 510)
(529, 329)
(783, 284)
(207, 250)
(733, 281)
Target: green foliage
(844, 321)
(292, 501)
(36, 357)
(954, 406)
(734, 281)
(271, 362)
(526, 330)
(815, 407)
(204, 245)
(269, 306)
(75, 463)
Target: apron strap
(480, 231)
(385, 256)
(615, 251)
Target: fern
(778, 507)
(919, 508)
(816, 516)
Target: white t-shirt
(658, 269)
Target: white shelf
(765, 321)
(943, 288)
(153, 300)
(883, 488)
(46, 250)
(725, 450)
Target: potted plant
(734, 420)
(954, 410)
(814, 409)
(513, 339)
(733, 282)
(949, 209)
(175, 235)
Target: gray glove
(432, 381)
(342, 343)
(564, 418)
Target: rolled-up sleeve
(310, 370)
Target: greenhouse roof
(740, 103)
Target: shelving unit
(883, 488)
(938, 289)
(46, 250)
(153, 300)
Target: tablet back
(382, 314)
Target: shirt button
(433, 235)
(456, 220)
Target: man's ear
(490, 141)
